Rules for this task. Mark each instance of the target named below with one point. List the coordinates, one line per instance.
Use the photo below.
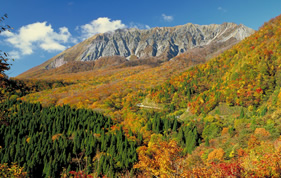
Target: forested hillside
(245, 75)
(180, 118)
(46, 140)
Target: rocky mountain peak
(165, 42)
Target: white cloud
(138, 25)
(167, 18)
(222, 9)
(100, 25)
(14, 54)
(38, 35)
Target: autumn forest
(192, 116)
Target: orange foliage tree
(159, 159)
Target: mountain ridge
(162, 42)
(220, 118)
(159, 40)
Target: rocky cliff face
(165, 42)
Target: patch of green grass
(224, 109)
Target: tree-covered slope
(246, 75)
(217, 119)
(46, 140)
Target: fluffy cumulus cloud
(100, 25)
(42, 36)
(38, 35)
(167, 18)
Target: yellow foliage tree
(12, 171)
(216, 154)
(159, 159)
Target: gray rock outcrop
(166, 42)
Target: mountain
(161, 42)
(166, 41)
(181, 118)
(246, 75)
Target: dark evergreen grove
(49, 140)
(186, 135)
(46, 140)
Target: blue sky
(44, 28)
